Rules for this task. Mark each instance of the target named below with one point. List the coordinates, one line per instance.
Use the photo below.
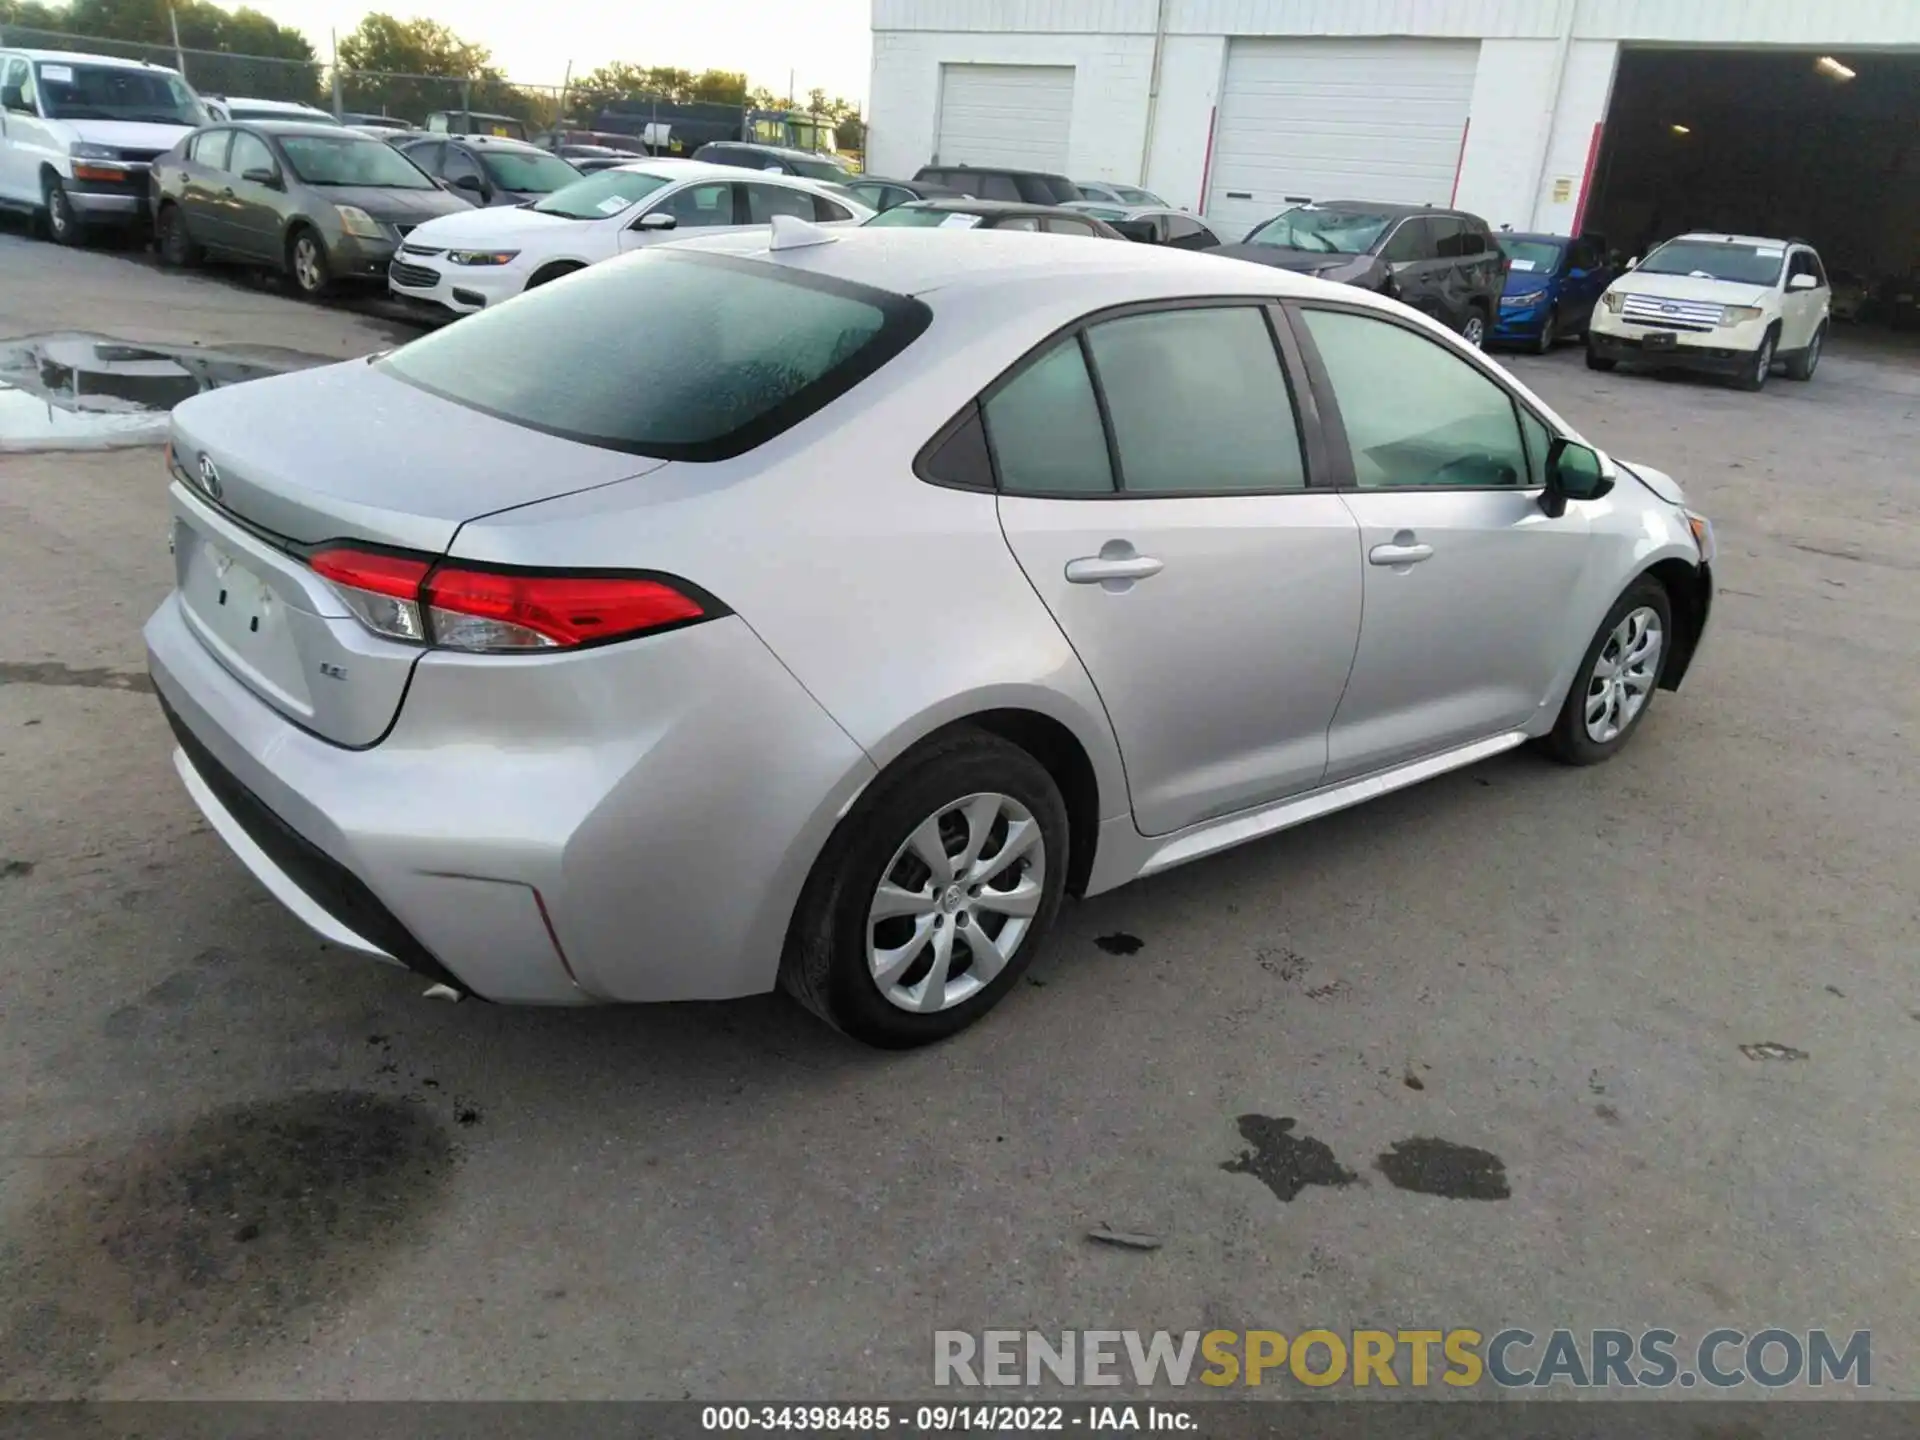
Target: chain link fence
(218, 73)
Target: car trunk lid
(267, 471)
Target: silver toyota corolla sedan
(816, 611)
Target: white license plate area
(240, 618)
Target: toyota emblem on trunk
(209, 476)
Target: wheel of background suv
(1802, 366)
(1601, 363)
(1474, 331)
(1549, 333)
(307, 263)
(933, 894)
(1759, 367)
(1614, 685)
(63, 222)
(175, 244)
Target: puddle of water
(79, 392)
(1430, 1166)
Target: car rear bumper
(527, 832)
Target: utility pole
(560, 119)
(789, 89)
(339, 109)
(179, 55)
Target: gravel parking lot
(235, 1163)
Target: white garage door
(1338, 120)
(1013, 115)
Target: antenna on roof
(790, 232)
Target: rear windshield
(1717, 260)
(677, 355)
(924, 218)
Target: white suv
(78, 134)
(1731, 305)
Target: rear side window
(735, 351)
(997, 187)
(1044, 425)
(1412, 241)
(210, 148)
(766, 201)
(1060, 225)
(1198, 402)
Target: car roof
(491, 142)
(292, 107)
(672, 167)
(944, 169)
(917, 261)
(1127, 212)
(1545, 235)
(784, 151)
(1722, 237)
(968, 205)
(289, 127)
(86, 58)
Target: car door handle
(1399, 554)
(227, 194)
(1116, 561)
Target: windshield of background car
(1717, 260)
(821, 169)
(1540, 256)
(598, 196)
(108, 92)
(681, 356)
(921, 217)
(532, 172)
(1104, 212)
(1327, 232)
(1135, 196)
(348, 159)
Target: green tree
(412, 67)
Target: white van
(78, 134)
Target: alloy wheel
(59, 213)
(1623, 675)
(1474, 332)
(308, 271)
(956, 902)
(1763, 362)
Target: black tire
(1549, 334)
(1570, 740)
(553, 272)
(172, 239)
(1601, 363)
(1802, 364)
(1759, 365)
(64, 225)
(825, 966)
(1475, 328)
(307, 265)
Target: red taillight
(405, 598)
(498, 610)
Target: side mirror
(1578, 274)
(260, 175)
(656, 220)
(468, 182)
(1634, 263)
(1803, 282)
(1574, 472)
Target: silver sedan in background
(819, 611)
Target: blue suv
(1553, 283)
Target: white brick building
(1510, 108)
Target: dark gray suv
(1442, 262)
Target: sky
(822, 42)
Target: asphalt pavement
(235, 1162)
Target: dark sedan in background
(965, 213)
(489, 171)
(878, 193)
(319, 203)
(1443, 263)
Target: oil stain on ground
(1119, 943)
(1284, 1162)
(221, 1237)
(1428, 1166)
